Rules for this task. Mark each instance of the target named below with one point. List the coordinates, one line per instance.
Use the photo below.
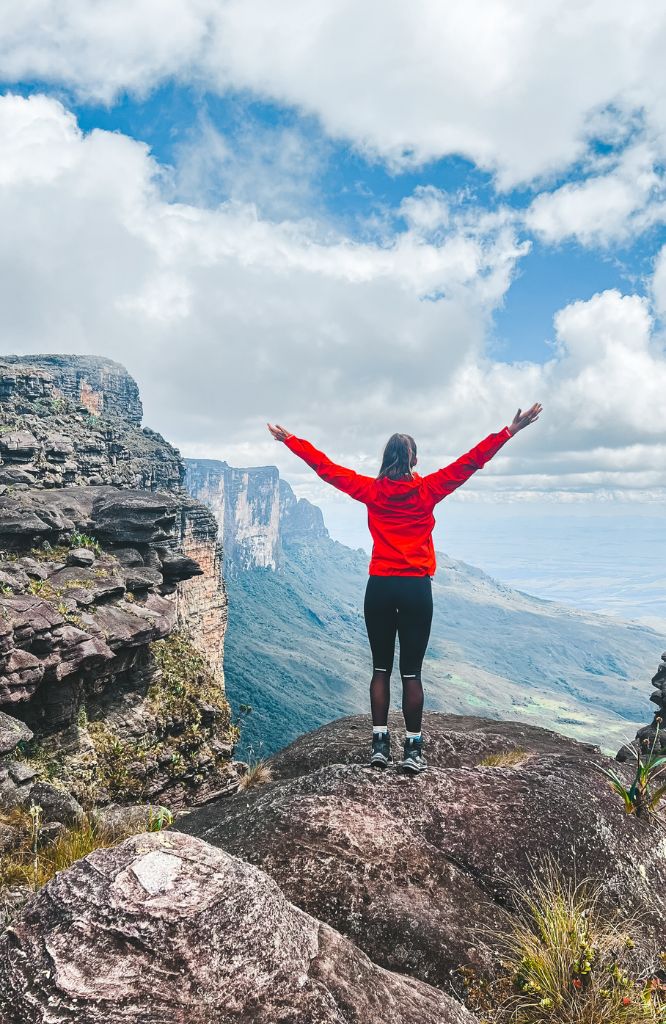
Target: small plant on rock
(504, 759)
(83, 540)
(643, 797)
(159, 819)
(36, 819)
(258, 773)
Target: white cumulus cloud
(518, 88)
(228, 320)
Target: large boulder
(164, 929)
(420, 872)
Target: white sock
(381, 729)
(413, 735)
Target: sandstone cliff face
(112, 607)
(77, 420)
(256, 511)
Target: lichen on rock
(165, 929)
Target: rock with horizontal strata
(165, 929)
(101, 554)
(652, 737)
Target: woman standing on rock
(398, 596)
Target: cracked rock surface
(165, 929)
(419, 871)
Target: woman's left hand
(523, 419)
(278, 432)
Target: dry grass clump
(258, 773)
(504, 759)
(33, 863)
(567, 963)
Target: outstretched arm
(446, 480)
(353, 484)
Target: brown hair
(398, 458)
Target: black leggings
(402, 605)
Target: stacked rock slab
(103, 555)
(652, 736)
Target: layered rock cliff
(257, 513)
(112, 606)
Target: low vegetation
(646, 793)
(565, 962)
(504, 759)
(83, 540)
(188, 718)
(36, 858)
(257, 774)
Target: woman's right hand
(523, 419)
(278, 432)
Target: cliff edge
(112, 605)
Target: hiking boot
(413, 760)
(381, 749)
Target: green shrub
(83, 540)
(644, 796)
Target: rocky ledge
(421, 872)
(165, 929)
(112, 606)
(70, 420)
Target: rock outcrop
(256, 512)
(652, 737)
(420, 872)
(77, 420)
(112, 606)
(165, 929)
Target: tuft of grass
(84, 540)
(31, 865)
(568, 962)
(504, 759)
(49, 554)
(41, 588)
(257, 774)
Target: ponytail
(398, 458)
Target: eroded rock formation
(165, 929)
(112, 607)
(419, 872)
(652, 737)
(77, 420)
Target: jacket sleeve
(446, 480)
(353, 484)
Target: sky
(357, 218)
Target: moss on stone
(185, 682)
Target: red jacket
(400, 512)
